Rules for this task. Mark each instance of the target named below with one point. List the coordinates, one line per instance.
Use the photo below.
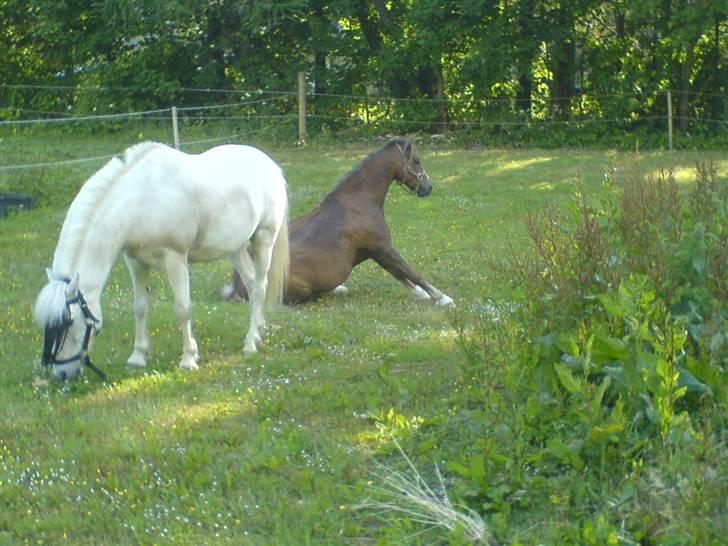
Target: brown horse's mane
(401, 142)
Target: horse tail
(278, 272)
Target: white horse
(163, 208)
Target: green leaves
(567, 379)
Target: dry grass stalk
(411, 496)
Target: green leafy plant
(618, 320)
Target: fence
(298, 114)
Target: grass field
(282, 448)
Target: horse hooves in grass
(228, 293)
(419, 293)
(252, 343)
(189, 363)
(137, 360)
(445, 301)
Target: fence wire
(272, 110)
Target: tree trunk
(526, 51)
(441, 104)
(525, 88)
(563, 68)
(717, 103)
(217, 56)
(317, 22)
(686, 70)
(368, 28)
(683, 95)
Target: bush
(611, 429)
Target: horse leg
(298, 289)
(262, 250)
(341, 289)
(417, 291)
(179, 278)
(244, 273)
(390, 259)
(235, 289)
(140, 282)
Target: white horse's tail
(278, 272)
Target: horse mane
(51, 304)
(85, 205)
(401, 142)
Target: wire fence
(241, 116)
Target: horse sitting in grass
(349, 226)
(163, 208)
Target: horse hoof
(252, 342)
(341, 289)
(446, 301)
(137, 361)
(419, 293)
(228, 292)
(188, 363)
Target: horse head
(412, 175)
(62, 311)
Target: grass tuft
(407, 493)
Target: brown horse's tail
(278, 272)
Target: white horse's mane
(50, 304)
(51, 301)
(86, 203)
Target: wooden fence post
(301, 108)
(669, 120)
(175, 128)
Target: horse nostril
(61, 375)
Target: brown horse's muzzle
(423, 188)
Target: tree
(493, 58)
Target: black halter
(410, 171)
(419, 176)
(55, 336)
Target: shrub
(619, 328)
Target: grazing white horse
(164, 209)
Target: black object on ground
(14, 200)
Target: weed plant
(615, 417)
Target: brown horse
(348, 227)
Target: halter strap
(409, 170)
(91, 322)
(81, 301)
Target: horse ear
(407, 151)
(49, 274)
(409, 147)
(72, 288)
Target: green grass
(276, 448)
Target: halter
(91, 322)
(409, 170)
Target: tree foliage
(536, 59)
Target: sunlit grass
(518, 164)
(266, 449)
